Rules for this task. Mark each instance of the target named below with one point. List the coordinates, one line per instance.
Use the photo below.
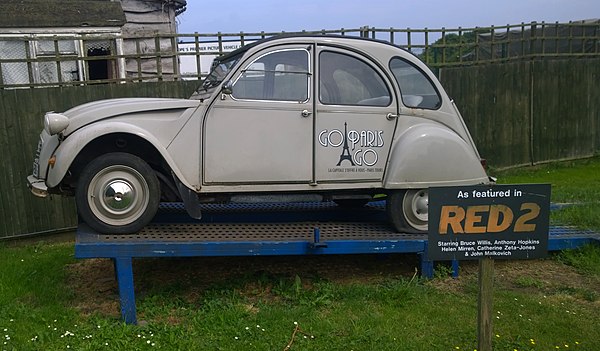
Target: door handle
(306, 113)
(390, 116)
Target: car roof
(305, 36)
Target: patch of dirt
(93, 280)
(96, 291)
(94, 285)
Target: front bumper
(37, 186)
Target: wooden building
(144, 20)
(53, 42)
(33, 32)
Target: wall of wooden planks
(529, 112)
(21, 120)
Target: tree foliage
(451, 47)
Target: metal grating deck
(285, 222)
(220, 232)
(255, 229)
(566, 237)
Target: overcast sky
(281, 15)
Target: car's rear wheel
(117, 193)
(408, 210)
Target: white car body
(327, 117)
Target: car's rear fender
(430, 154)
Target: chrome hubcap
(421, 205)
(118, 195)
(416, 208)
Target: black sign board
(495, 221)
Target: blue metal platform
(267, 229)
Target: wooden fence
(35, 60)
(530, 112)
(21, 114)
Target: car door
(261, 132)
(355, 118)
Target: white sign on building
(187, 61)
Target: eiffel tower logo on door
(346, 151)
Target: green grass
(586, 260)
(528, 282)
(260, 311)
(573, 182)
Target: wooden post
(486, 290)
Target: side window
(417, 90)
(281, 75)
(345, 80)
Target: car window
(281, 75)
(219, 70)
(417, 90)
(346, 80)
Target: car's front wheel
(408, 210)
(117, 193)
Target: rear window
(417, 90)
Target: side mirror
(227, 88)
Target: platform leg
(124, 274)
(455, 268)
(426, 267)
(426, 264)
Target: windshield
(219, 70)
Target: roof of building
(60, 13)
(178, 3)
(180, 6)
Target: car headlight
(55, 123)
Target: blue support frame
(124, 274)
(289, 229)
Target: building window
(15, 71)
(53, 65)
(53, 60)
(99, 65)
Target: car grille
(36, 160)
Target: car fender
(69, 148)
(429, 154)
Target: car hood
(82, 115)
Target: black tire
(117, 193)
(408, 210)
